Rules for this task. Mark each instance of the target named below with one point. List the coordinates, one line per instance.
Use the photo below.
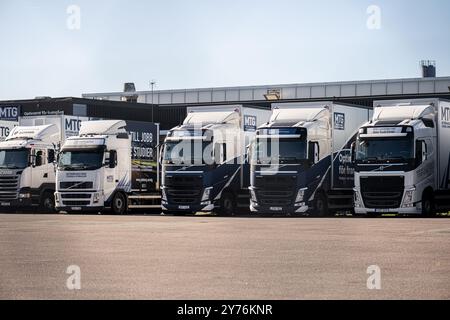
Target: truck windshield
(81, 160)
(14, 159)
(389, 150)
(189, 152)
(283, 151)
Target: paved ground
(157, 257)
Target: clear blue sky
(208, 43)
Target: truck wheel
(119, 204)
(428, 205)
(48, 202)
(227, 205)
(321, 205)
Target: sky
(48, 48)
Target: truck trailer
(27, 155)
(110, 165)
(402, 158)
(301, 159)
(204, 164)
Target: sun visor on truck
(43, 133)
(402, 112)
(209, 117)
(298, 115)
(100, 127)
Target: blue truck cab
(301, 159)
(204, 160)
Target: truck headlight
(96, 197)
(56, 197)
(24, 195)
(300, 195)
(357, 199)
(163, 194)
(206, 194)
(253, 195)
(408, 199)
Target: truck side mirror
(217, 153)
(313, 152)
(424, 151)
(38, 159)
(353, 151)
(421, 152)
(112, 159)
(160, 153)
(32, 160)
(247, 154)
(51, 156)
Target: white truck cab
(402, 158)
(96, 169)
(27, 171)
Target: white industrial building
(363, 92)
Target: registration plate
(183, 207)
(276, 209)
(5, 204)
(382, 210)
(75, 208)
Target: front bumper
(15, 204)
(412, 210)
(79, 201)
(258, 209)
(166, 206)
(80, 209)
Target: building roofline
(275, 86)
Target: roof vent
(129, 89)
(428, 68)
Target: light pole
(152, 84)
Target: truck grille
(183, 190)
(76, 203)
(382, 192)
(75, 196)
(275, 190)
(183, 195)
(9, 187)
(76, 185)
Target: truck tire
(227, 205)
(321, 205)
(119, 204)
(428, 209)
(47, 204)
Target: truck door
(111, 176)
(39, 174)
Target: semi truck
(301, 159)
(402, 158)
(27, 171)
(204, 160)
(110, 166)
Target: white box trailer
(403, 158)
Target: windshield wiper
(400, 158)
(369, 159)
(76, 166)
(289, 159)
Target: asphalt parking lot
(163, 257)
